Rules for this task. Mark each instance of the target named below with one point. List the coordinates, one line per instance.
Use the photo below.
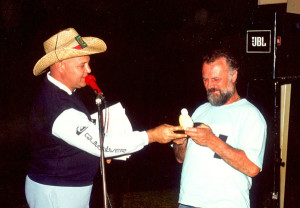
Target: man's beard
(218, 100)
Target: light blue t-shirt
(207, 181)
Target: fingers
(189, 129)
(201, 134)
(168, 134)
(193, 131)
(178, 136)
(165, 133)
(176, 128)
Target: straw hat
(67, 44)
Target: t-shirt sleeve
(254, 138)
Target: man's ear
(59, 66)
(56, 69)
(234, 76)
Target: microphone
(90, 80)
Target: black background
(152, 66)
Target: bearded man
(221, 155)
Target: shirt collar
(58, 84)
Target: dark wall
(152, 66)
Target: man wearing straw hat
(64, 160)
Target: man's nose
(88, 69)
(209, 84)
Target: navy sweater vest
(54, 162)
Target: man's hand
(164, 134)
(201, 135)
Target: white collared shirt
(58, 84)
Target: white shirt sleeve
(76, 129)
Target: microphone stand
(99, 99)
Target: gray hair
(230, 59)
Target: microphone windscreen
(90, 80)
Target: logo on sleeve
(80, 129)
